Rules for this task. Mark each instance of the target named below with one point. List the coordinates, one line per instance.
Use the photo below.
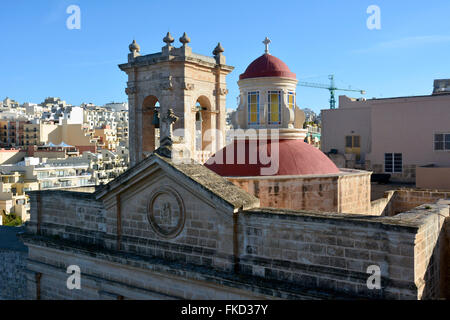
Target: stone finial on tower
(218, 49)
(266, 43)
(185, 39)
(218, 54)
(168, 39)
(134, 49)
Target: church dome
(267, 66)
(295, 158)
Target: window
(442, 142)
(274, 107)
(253, 108)
(291, 100)
(348, 141)
(352, 141)
(393, 162)
(356, 142)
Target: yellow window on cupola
(291, 100)
(253, 108)
(274, 107)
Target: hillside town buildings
(54, 145)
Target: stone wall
(260, 253)
(354, 192)
(206, 237)
(347, 192)
(333, 254)
(383, 206)
(297, 193)
(407, 199)
(68, 215)
(13, 254)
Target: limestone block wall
(315, 193)
(320, 252)
(383, 206)
(431, 244)
(126, 276)
(354, 192)
(407, 199)
(348, 192)
(206, 238)
(68, 215)
(260, 253)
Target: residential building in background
(395, 136)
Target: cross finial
(266, 43)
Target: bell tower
(191, 84)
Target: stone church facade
(167, 229)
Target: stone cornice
(154, 59)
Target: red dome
(267, 66)
(295, 158)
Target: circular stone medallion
(166, 213)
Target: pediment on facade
(194, 177)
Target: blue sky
(40, 57)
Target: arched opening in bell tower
(150, 123)
(203, 135)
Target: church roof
(295, 157)
(205, 179)
(267, 66)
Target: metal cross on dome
(266, 43)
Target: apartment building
(114, 119)
(12, 133)
(398, 136)
(60, 174)
(106, 165)
(13, 198)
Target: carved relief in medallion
(166, 213)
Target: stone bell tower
(191, 84)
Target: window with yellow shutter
(291, 100)
(274, 107)
(253, 108)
